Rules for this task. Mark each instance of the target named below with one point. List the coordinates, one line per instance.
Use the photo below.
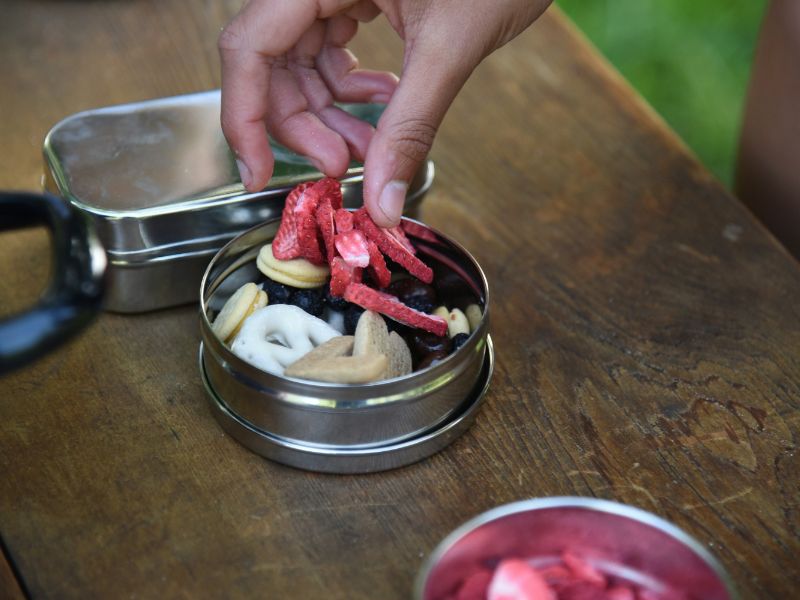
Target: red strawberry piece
(286, 244)
(556, 574)
(583, 570)
(305, 212)
(418, 231)
(325, 223)
(352, 246)
(400, 237)
(390, 306)
(392, 248)
(515, 579)
(581, 590)
(377, 266)
(331, 189)
(342, 275)
(475, 586)
(344, 220)
(620, 592)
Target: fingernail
(244, 173)
(391, 200)
(381, 98)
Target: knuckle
(413, 139)
(232, 37)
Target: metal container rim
(381, 392)
(575, 502)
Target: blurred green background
(689, 58)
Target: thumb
(431, 78)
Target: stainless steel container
(336, 417)
(616, 539)
(161, 187)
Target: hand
(285, 62)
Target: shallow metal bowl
(335, 415)
(617, 539)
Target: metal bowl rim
(576, 502)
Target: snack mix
(343, 300)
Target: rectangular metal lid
(159, 173)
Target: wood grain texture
(647, 333)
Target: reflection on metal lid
(143, 158)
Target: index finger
(248, 46)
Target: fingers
(339, 68)
(248, 47)
(293, 125)
(324, 73)
(431, 79)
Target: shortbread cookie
(278, 335)
(297, 272)
(332, 362)
(372, 337)
(399, 357)
(239, 306)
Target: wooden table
(647, 332)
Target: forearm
(768, 169)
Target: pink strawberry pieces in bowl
(475, 586)
(515, 579)
(389, 305)
(572, 578)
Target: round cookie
(297, 272)
(238, 307)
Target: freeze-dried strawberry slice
(343, 275)
(390, 306)
(352, 246)
(305, 211)
(286, 244)
(515, 579)
(332, 190)
(377, 266)
(326, 227)
(400, 237)
(583, 570)
(344, 220)
(418, 231)
(392, 248)
(475, 586)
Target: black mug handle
(74, 294)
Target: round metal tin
(335, 415)
(346, 460)
(620, 540)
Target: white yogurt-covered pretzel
(277, 335)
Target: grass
(690, 59)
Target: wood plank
(646, 327)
